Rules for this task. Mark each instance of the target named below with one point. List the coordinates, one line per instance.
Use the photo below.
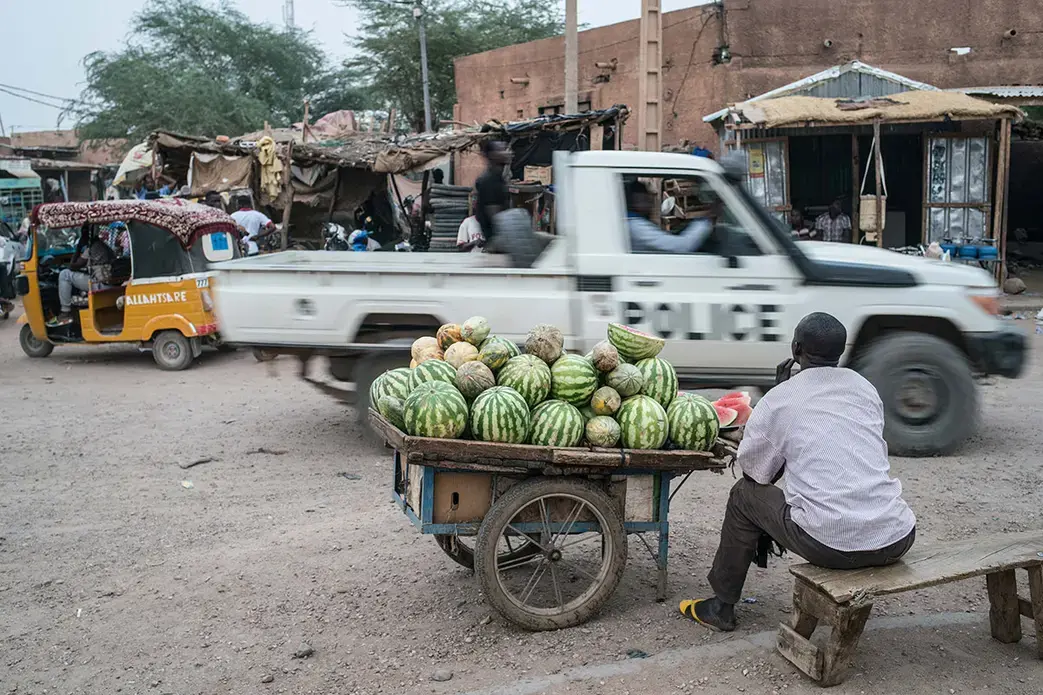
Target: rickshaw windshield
(57, 242)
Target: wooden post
(597, 137)
(425, 196)
(391, 120)
(284, 233)
(999, 204)
(878, 167)
(649, 79)
(333, 198)
(1004, 612)
(856, 179)
(304, 125)
(1036, 601)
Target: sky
(45, 41)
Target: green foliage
(388, 46)
(207, 70)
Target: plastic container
(950, 247)
(988, 253)
(969, 251)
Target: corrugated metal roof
(848, 80)
(1004, 91)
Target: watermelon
(528, 375)
(500, 415)
(435, 409)
(605, 356)
(432, 370)
(474, 330)
(546, 342)
(725, 416)
(394, 383)
(739, 401)
(448, 335)
(458, 353)
(602, 431)
(573, 379)
(587, 412)
(626, 379)
(494, 354)
(472, 378)
(556, 423)
(393, 409)
(642, 423)
(693, 422)
(421, 345)
(632, 343)
(509, 344)
(606, 401)
(660, 380)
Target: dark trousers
(755, 509)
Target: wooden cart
(551, 524)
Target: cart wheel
(463, 554)
(582, 551)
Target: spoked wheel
(581, 550)
(462, 552)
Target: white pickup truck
(920, 330)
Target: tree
(208, 70)
(388, 45)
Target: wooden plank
(809, 606)
(467, 451)
(836, 657)
(1036, 593)
(933, 564)
(1004, 616)
(878, 167)
(799, 651)
(1025, 607)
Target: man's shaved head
(818, 341)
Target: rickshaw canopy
(185, 221)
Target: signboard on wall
(756, 161)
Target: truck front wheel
(931, 403)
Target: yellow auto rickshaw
(155, 289)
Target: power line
(62, 107)
(39, 94)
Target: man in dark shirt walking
(491, 190)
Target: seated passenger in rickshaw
(94, 255)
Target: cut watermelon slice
(743, 413)
(735, 397)
(726, 416)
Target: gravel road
(280, 566)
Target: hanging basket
(867, 203)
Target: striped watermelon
(602, 431)
(642, 423)
(529, 376)
(435, 409)
(556, 423)
(472, 378)
(693, 422)
(587, 412)
(500, 415)
(432, 370)
(626, 379)
(573, 379)
(632, 343)
(660, 380)
(511, 346)
(393, 409)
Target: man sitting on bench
(838, 506)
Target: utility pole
(418, 13)
(287, 14)
(571, 58)
(650, 83)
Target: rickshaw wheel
(31, 345)
(171, 351)
(582, 551)
(463, 554)
(263, 355)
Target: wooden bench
(844, 598)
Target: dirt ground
(120, 572)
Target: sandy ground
(122, 573)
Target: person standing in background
(255, 224)
(834, 225)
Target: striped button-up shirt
(825, 425)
